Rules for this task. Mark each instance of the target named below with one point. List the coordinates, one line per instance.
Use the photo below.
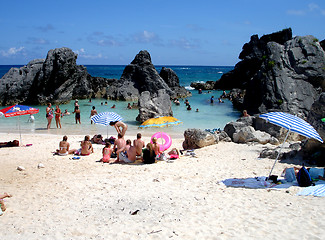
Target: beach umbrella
(292, 124)
(104, 118)
(160, 122)
(18, 110)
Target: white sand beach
(183, 199)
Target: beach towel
(257, 182)
(318, 190)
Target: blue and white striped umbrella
(104, 118)
(292, 123)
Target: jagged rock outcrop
(196, 138)
(278, 72)
(317, 113)
(56, 79)
(172, 80)
(208, 85)
(140, 76)
(156, 105)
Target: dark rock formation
(322, 43)
(56, 79)
(252, 56)
(154, 106)
(209, 85)
(315, 115)
(278, 72)
(196, 138)
(140, 76)
(172, 80)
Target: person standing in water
(77, 114)
(49, 115)
(92, 113)
(58, 116)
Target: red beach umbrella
(18, 110)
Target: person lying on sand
(64, 147)
(97, 139)
(290, 174)
(2, 203)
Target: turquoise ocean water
(210, 116)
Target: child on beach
(2, 204)
(107, 151)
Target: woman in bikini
(58, 116)
(64, 147)
(86, 147)
(120, 127)
(49, 115)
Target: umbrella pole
(285, 139)
(21, 142)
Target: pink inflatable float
(167, 140)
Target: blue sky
(206, 32)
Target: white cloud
(184, 43)
(83, 54)
(11, 51)
(146, 37)
(311, 8)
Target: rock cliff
(56, 79)
(278, 72)
(140, 76)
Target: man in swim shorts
(138, 144)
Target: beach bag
(303, 178)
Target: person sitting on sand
(128, 154)
(120, 127)
(97, 139)
(149, 155)
(245, 114)
(86, 147)
(119, 145)
(156, 146)
(138, 144)
(107, 151)
(64, 147)
(2, 203)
